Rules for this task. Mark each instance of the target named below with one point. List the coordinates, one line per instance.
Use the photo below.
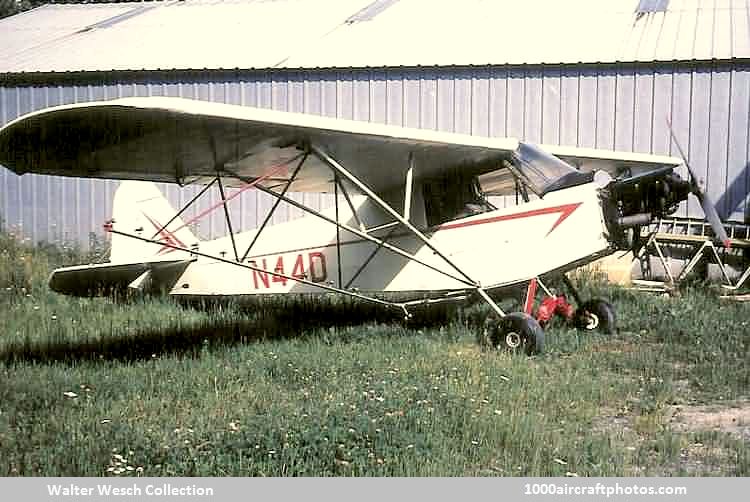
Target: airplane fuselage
(494, 249)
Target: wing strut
(358, 233)
(338, 226)
(324, 157)
(275, 205)
(226, 215)
(398, 306)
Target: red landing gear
(522, 332)
(593, 315)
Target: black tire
(596, 315)
(516, 332)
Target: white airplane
(411, 226)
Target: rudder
(141, 209)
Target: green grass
(157, 389)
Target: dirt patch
(732, 418)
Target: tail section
(141, 209)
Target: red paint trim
(165, 236)
(565, 210)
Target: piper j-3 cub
(411, 226)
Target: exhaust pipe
(634, 220)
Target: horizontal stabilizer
(141, 282)
(106, 279)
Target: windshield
(545, 172)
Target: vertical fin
(141, 209)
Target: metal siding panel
(685, 44)
(313, 94)
(265, 91)
(587, 109)
(700, 127)
(516, 102)
(462, 105)
(279, 92)
(345, 93)
(472, 101)
(378, 101)
(330, 103)
(662, 106)
(296, 93)
(738, 158)
(25, 185)
(605, 109)
(234, 93)
(480, 103)
(217, 92)
(704, 34)
(569, 89)
(682, 92)
(552, 105)
(498, 103)
(412, 99)
(668, 36)
(428, 99)
(250, 92)
(740, 32)
(394, 97)
(361, 97)
(718, 139)
(722, 34)
(624, 110)
(533, 104)
(643, 111)
(156, 89)
(445, 102)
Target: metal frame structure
(340, 174)
(695, 235)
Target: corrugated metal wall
(622, 107)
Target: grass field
(146, 387)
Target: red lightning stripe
(565, 210)
(166, 237)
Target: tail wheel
(516, 332)
(596, 315)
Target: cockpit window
(452, 197)
(545, 172)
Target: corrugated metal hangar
(585, 73)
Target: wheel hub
(592, 321)
(513, 340)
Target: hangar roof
(263, 34)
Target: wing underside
(185, 141)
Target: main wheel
(596, 315)
(516, 332)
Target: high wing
(186, 141)
(181, 141)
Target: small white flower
(70, 394)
